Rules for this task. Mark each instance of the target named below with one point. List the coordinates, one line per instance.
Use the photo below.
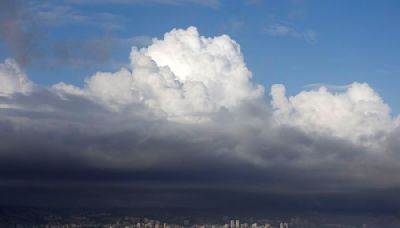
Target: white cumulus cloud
(358, 113)
(183, 76)
(186, 77)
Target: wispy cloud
(22, 23)
(233, 25)
(91, 52)
(137, 41)
(18, 31)
(207, 3)
(61, 14)
(253, 2)
(283, 30)
(55, 15)
(330, 87)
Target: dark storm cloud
(55, 150)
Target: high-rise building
(284, 225)
(237, 223)
(232, 223)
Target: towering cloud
(183, 76)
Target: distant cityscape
(48, 219)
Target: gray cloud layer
(51, 157)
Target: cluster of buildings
(186, 223)
(105, 220)
(236, 224)
(133, 222)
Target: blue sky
(294, 42)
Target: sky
(333, 43)
(200, 104)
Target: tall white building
(283, 225)
(237, 223)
